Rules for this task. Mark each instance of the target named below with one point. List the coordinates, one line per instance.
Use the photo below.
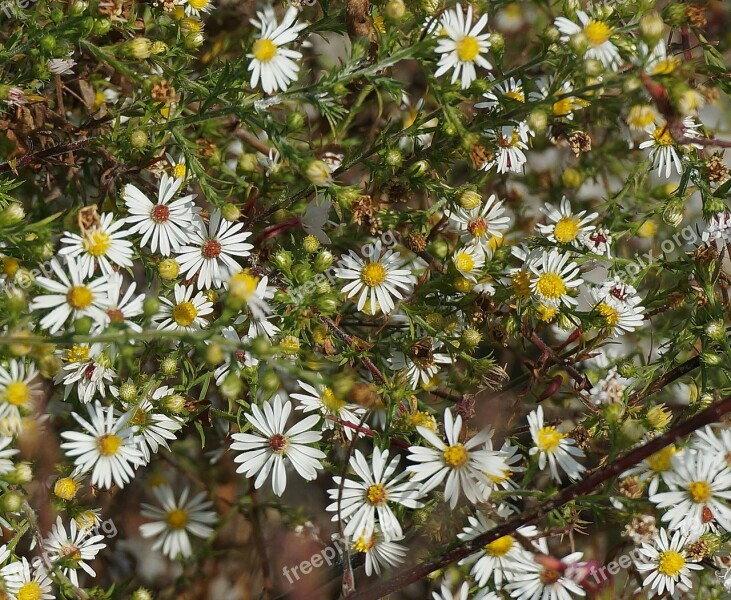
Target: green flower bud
(716, 331)
(150, 306)
(438, 248)
(102, 26)
(627, 369)
(141, 594)
(174, 403)
(713, 205)
(311, 244)
(48, 43)
(613, 412)
(77, 8)
(21, 474)
(283, 260)
(11, 215)
(82, 326)
(193, 40)
(168, 366)
(419, 168)
(470, 339)
(675, 14)
(232, 386)
(327, 304)
(711, 359)
(127, 392)
(674, 212)
(393, 158)
(138, 48)
(11, 502)
(578, 43)
(537, 121)
(652, 28)
(302, 272)
(230, 212)
(593, 68)
(633, 430)
(318, 173)
(269, 381)
(395, 10)
(168, 269)
(295, 120)
(138, 139)
(248, 162)
(323, 261)
(497, 42)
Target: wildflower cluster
(387, 274)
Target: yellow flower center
(10, 266)
(468, 48)
(79, 297)
(29, 591)
(563, 107)
(77, 354)
(179, 171)
(17, 393)
(377, 494)
(184, 313)
(363, 545)
(546, 313)
(243, 285)
(477, 227)
(662, 136)
(665, 66)
(198, 4)
(177, 518)
(597, 32)
(700, 491)
(331, 402)
(549, 439)
(662, 459)
(139, 418)
(670, 563)
(264, 50)
(109, 444)
(498, 479)
(470, 199)
(609, 313)
(65, 488)
(551, 285)
(464, 262)
(516, 94)
(500, 547)
(97, 243)
(640, 116)
(566, 229)
(423, 419)
(373, 274)
(521, 284)
(455, 456)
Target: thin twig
(330, 324)
(37, 157)
(582, 380)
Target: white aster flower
(211, 251)
(469, 261)
(708, 443)
(380, 552)
(700, 486)
(553, 277)
(108, 449)
(446, 594)
(71, 551)
(19, 387)
(90, 376)
(323, 400)
(564, 226)
(103, 245)
(510, 88)
(186, 312)
(496, 559)
(665, 152)
(654, 469)
(379, 281)
(718, 228)
(61, 66)
(120, 308)
(667, 563)
(532, 580)
(421, 363)
(598, 241)
(620, 317)
(152, 429)
(175, 519)
(361, 502)
(194, 8)
(166, 225)
(271, 62)
(267, 450)
(21, 584)
(598, 35)
(6, 461)
(511, 142)
(467, 466)
(480, 223)
(608, 390)
(70, 297)
(463, 46)
(554, 448)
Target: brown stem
(659, 383)
(36, 157)
(582, 380)
(398, 442)
(339, 333)
(581, 488)
(261, 548)
(251, 140)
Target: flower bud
(579, 43)
(419, 168)
(674, 212)
(168, 269)
(12, 502)
(438, 248)
(711, 359)
(193, 40)
(675, 14)
(497, 42)
(470, 339)
(77, 8)
(652, 28)
(552, 34)
(716, 331)
(290, 345)
(311, 244)
(393, 158)
(138, 48)
(327, 304)
(158, 47)
(168, 366)
(318, 173)
(633, 430)
(141, 594)
(470, 199)
(295, 120)
(247, 162)
(613, 412)
(127, 392)
(593, 67)
(232, 386)
(21, 474)
(101, 26)
(138, 139)
(462, 284)
(283, 260)
(571, 178)
(395, 10)
(659, 417)
(11, 215)
(537, 121)
(269, 381)
(230, 212)
(174, 403)
(150, 306)
(323, 261)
